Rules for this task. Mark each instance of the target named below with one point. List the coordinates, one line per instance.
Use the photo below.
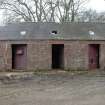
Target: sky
(98, 5)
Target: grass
(58, 71)
(71, 72)
(68, 71)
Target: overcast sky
(98, 5)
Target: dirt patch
(55, 89)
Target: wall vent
(91, 33)
(23, 33)
(54, 32)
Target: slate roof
(65, 31)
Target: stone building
(31, 46)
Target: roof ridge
(54, 23)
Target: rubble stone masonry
(39, 54)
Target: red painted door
(19, 56)
(93, 56)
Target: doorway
(94, 50)
(19, 56)
(58, 56)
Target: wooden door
(93, 56)
(19, 56)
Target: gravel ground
(54, 89)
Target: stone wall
(76, 55)
(39, 54)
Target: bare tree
(69, 9)
(28, 10)
(42, 10)
(91, 16)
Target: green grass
(68, 71)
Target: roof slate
(65, 31)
